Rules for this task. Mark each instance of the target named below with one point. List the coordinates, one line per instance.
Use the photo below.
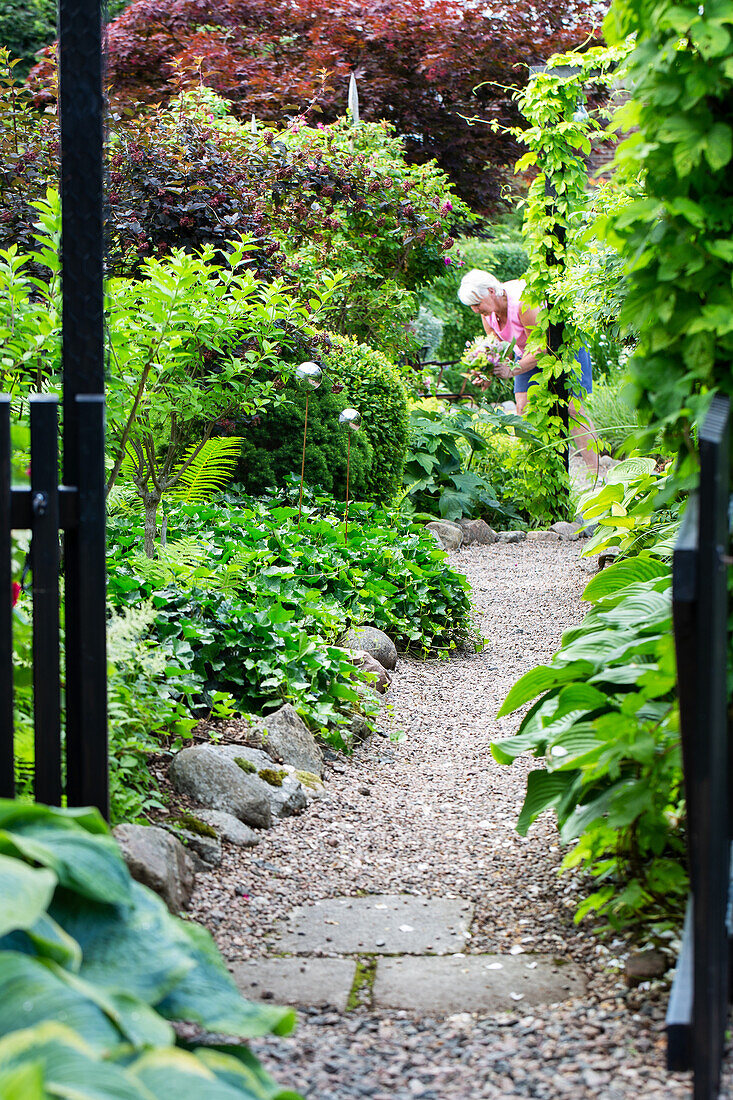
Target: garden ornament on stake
(353, 101)
(350, 421)
(308, 376)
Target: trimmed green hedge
(273, 446)
(375, 388)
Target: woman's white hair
(474, 286)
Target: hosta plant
(605, 724)
(94, 973)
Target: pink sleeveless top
(513, 329)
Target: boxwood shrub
(375, 388)
(361, 377)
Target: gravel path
(432, 814)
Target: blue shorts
(523, 381)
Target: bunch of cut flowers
(481, 356)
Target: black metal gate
(698, 1008)
(70, 762)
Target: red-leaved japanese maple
(418, 64)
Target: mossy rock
(309, 779)
(272, 776)
(246, 765)
(193, 825)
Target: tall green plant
(557, 140)
(678, 238)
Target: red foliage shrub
(418, 64)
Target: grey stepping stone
(387, 924)
(475, 983)
(317, 982)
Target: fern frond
(209, 471)
(176, 563)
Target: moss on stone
(246, 765)
(365, 974)
(272, 776)
(193, 824)
(309, 779)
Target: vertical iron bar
(7, 760)
(82, 241)
(713, 824)
(45, 553)
(86, 730)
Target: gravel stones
(449, 533)
(157, 859)
(476, 532)
(213, 780)
(380, 924)
(230, 828)
(373, 641)
(440, 819)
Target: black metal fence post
(46, 614)
(698, 1006)
(82, 134)
(712, 876)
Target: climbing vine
(558, 140)
(678, 237)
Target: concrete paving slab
(475, 983)
(317, 982)
(386, 924)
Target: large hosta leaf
(31, 993)
(650, 610)
(594, 810)
(48, 940)
(138, 948)
(88, 864)
(208, 996)
(67, 1066)
(547, 791)
(23, 1083)
(15, 814)
(176, 1073)
(238, 1066)
(623, 573)
(24, 893)
(541, 679)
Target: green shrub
(374, 387)
(441, 474)
(273, 447)
(250, 604)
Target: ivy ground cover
(243, 608)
